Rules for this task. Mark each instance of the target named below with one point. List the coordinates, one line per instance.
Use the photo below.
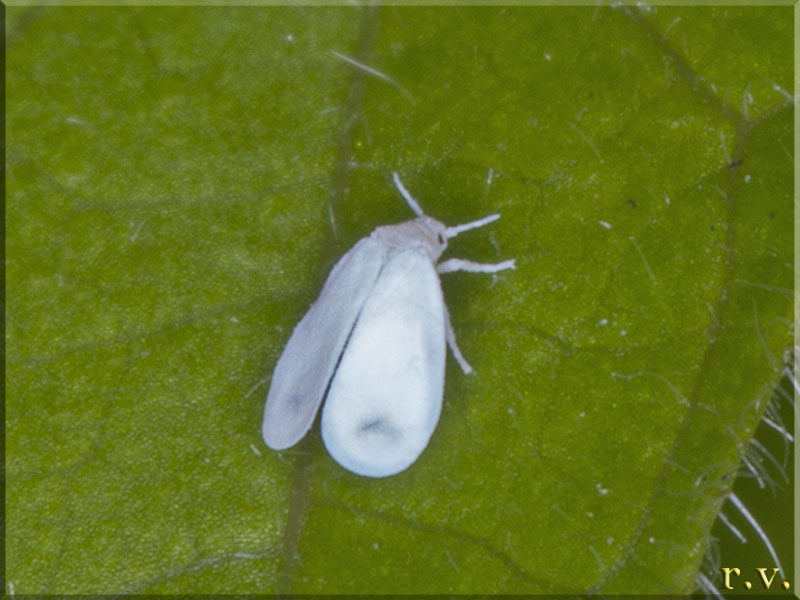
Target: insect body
(375, 339)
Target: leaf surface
(180, 181)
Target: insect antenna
(406, 195)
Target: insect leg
(459, 264)
(450, 335)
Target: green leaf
(181, 180)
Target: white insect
(375, 339)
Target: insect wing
(309, 359)
(386, 395)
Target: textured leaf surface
(172, 174)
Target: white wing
(309, 359)
(386, 396)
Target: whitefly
(375, 340)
